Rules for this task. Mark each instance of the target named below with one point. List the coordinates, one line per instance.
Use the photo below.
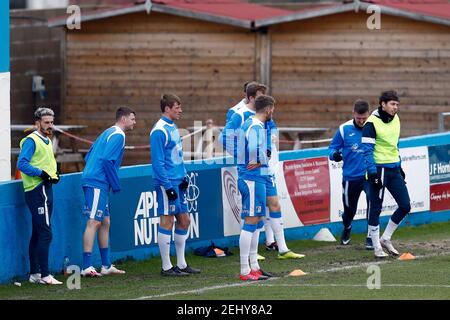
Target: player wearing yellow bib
(380, 139)
(38, 167)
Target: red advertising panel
(440, 197)
(439, 177)
(308, 183)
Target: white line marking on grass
(355, 285)
(353, 266)
(366, 264)
(264, 283)
(201, 290)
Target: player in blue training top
(230, 133)
(346, 145)
(234, 146)
(241, 103)
(99, 177)
(273, 222)
(253, 174)
(169, 176)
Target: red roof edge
(434, 8)
(250, 15)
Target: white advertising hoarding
(414, 163)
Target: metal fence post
(442, 115)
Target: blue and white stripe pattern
(234, 109)
(95, 201)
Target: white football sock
(245, 241)
(269, 232)
(390, 229)
(164, 249)
(375, 235)
(254, 265)
(180, 244)
(277, 227)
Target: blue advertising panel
(439, 163)
(4, 36)
(134, 218)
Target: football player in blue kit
(169, 176)
(99, 177)
(253, 173)
(240, 104)
(347, 146)
(273, 222)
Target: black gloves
(184, 185)
(375, 180)
(402, 173)
(337, 156)
(269, 153)
(46, 178)
(171, 194)
(55, 181)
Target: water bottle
(66, 264)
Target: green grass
(427, 277)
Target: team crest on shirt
(356, 148)
(41, 210)
(258, 209)
(99, 213)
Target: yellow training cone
(297, 273)
(407, 256)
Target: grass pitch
(333, 272)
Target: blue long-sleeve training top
(230, 133)
(234, 109)
(272, 130)
(103, 160)
(167, 154)
(348, 141)
(254, 134)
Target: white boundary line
(265, 283)
(201, 290)
(356, 285)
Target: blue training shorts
(271, 187)
(170, 207)
(253, 198)
(96, 203)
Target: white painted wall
(47, 4)
(5, 128)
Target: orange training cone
(219, 252)
(407, 256)
(297, 273)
